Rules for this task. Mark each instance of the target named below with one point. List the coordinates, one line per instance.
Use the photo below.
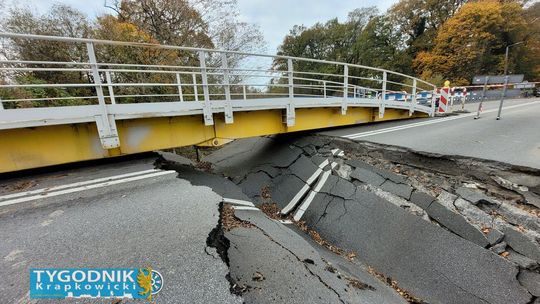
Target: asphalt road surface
(122, 215)
(514, 139)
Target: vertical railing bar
(195, 90)
(179, 82)
(110, 87)
(109, 136)
(207, 107)
(291, 79)
(384, 86)
(382, 105)
(1, 104)
(244, 92)
(204, 76)
(433, 99)
(228, 112)
(324, 88)
(225, 66)
(345, 89)
(413, 99)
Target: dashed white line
(78, 184)
(85, 187)
(233, 201)
(305, 205)
(296, 199)
(246, 208)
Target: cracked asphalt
(371, 216)
(162, 221)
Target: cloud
(275, 17)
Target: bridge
(121, 98)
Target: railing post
(106, 123)
(1, 105)
(195, 90)
(413, 99)
(207, 107)
(345, 89)
(244, 92)
(383, 95)
(228, 105)
(433, 99)
(486, 80)
(110, 87)
(179, 83)
(290, 74)
(290, 112)
(324, 88)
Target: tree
(419, 20)
(473, 41)
(60, 20)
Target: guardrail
(114, 80)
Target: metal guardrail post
(244, 92)
(228, 105)
(482, 98)
(207, 107)
(110, 87)
(179, 83)
(433, 101)
(290, 112)
(345, 89)
(413, 99)
(383, 96)
(106, 123)
(1, 105)
(324, 89)
(502, 97)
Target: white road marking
(425, 123)
(233, 201)
(296, 199)
(324, 163)
(60, 187)
(333, 165)
(313, 177)
(86, 187)
(305, 205)
(246, 208)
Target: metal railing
(107, 81)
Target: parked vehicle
(424, 97)
(395, 96)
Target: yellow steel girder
(26, 148)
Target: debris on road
(446, 227)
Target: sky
(274, 17)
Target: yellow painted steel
(35, 147)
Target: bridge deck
(199, 97)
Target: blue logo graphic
(61, 283)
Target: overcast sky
(275, 17)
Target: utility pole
(505, 77)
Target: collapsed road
(286, 219)
(438, 229)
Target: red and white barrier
(443, 101)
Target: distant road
(514, 139)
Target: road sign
(524, 85)
(497, 79)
